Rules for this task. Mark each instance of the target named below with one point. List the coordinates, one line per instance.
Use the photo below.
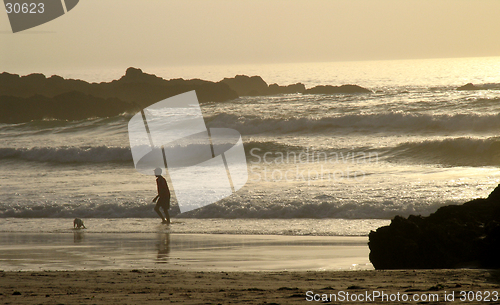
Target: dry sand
(187, 287)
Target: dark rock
(455, 236)
(135, 86)
(34, 96)
(290, 89)
(495, 195)
(134, 75)
(7, 79)
(469, 86)
(246, 85)
(256, 86)
(214, 92)
(66, 106)
(344, 89)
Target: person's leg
(166, 207)
(157, 210)
(167, 215)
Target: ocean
(339, 164)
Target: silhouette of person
(163, 198)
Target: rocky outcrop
(76, 99)
(472, 87)
(290, 89)
(35, 96)
(469, 86)
(246, 85)
(256, 86)
(66, 106)
(454, 236)
(134, 87)
(344, 89)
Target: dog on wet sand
(78, 223)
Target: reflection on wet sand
(163, 247)
(78, 236)
(86, 250)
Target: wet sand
(82, 250)
(134, 268)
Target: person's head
(157, 171)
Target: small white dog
(78, 223)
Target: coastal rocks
(135, 87)
(246, 85)
(344, 89)
(146, 89)
(256, 86)
(34, 96)
(134, 75)
(469, 86)
(66, 106)
(472, 87)
(455, 236)
(290, 89)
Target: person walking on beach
(163, 198)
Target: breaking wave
(226, 209)
(391, 121)
(463, 151)
(451, 152)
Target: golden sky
(123, 33)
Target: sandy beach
(99, 268)
(250, 152)
(185, 287)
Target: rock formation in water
(256, 86)
(35, 96)
(472, 87)
(71, 106)
(246, 85)
(344, 89)
(135, 87)
(455, 236)
(469, 86)
(290, 89)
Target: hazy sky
(123, 33)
